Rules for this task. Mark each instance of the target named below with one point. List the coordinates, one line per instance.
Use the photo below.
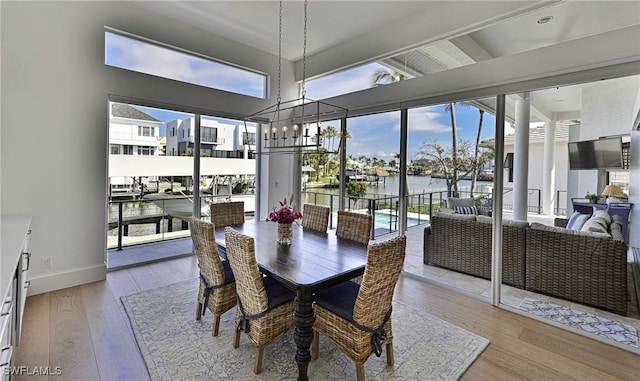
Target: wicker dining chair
(227, 213)
(217, 290)
(315, 217)
(265, 307)
(354, 226)
(357, 318)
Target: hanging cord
(304, 52)
(279, 50)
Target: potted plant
(592, 197)
(356, 189)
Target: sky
(373, 135)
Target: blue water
(416, 184)
(389, 187)
(387, 221)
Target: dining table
(313, 261)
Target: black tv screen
(605, 153)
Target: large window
(208, 134)
(146, 131)
(146, 151)
(249, 138)
(153, 58)
(127, 149)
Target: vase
(284, 233)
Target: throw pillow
(601, 213)
(452, 202)
(577, 220)
(616, 231)
(556, 229)
(466, 209)
(595, 224)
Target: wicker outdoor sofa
(463, 243)
(584, 267)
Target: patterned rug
(177, 347)
(607, 328)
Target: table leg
(303, 318)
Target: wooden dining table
(312, 262)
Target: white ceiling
(332, 23)
(255, 23)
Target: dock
(146, 219)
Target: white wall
(53, 72)
(536, 158)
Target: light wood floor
(86, 332)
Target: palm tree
(384, 76)
(476, 169)
(454, 146)
(476, 159)
(330, 132)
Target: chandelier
(294, 125)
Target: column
(521, 158)
(549, 168)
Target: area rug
(607, 328)
(175, 346)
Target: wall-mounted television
(604, 153)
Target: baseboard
(64, 279)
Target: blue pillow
(577, 220)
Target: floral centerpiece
(285, 216)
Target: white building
(536, 158)
(131, 132)
(218, 139)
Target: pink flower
(285, 214)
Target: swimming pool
(385, 220)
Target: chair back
(206, 250)
(315, 217)
(354, 226)
(384, 264)
(227, 213)
(242, 258)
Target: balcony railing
(140, 221)
(133, 222)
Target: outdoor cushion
(616, 231)
(577, 220)
(463, 217)
(597, 223)
(276, 292)
(603, 214)
(466, 209)
(340, 299)
(228, 274)
(489, 220)
(539, 226)
(452, 202)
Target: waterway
(389, 186)
(386, 187)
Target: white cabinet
(14, 280)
